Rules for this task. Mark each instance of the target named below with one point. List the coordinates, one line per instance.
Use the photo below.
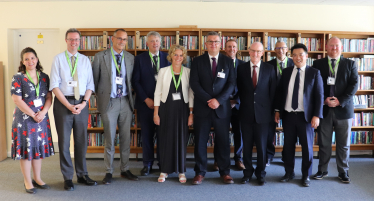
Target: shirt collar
(302, 68)
(332, 58)
(258, 64)
(153, 54)
(278, 60)
(210, 57)
(76, 54)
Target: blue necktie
(119, 86)
(295, 95)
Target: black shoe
(146, 170)
(129, 175)
(246, 179)
(261, 181)
(68, 185)
(86, 180)
(288, 177)
(344, 177)
(320, 175)
(45, 186)
(30, 191)
(305, 181)
(107, 179)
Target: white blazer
(163, 86)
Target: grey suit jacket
(102, 73)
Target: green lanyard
(69, 62)
(179, 79)
(234, 62)
(115, 61)
(37, 86)
(337, 63)
(158, 60)
(285, 64)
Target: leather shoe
(344, 177)
(129, 175)
(198, 179)
(246, 179)
(288, 177)
(86, 180)
(45, 186)
(107, 179)
(30, 191)
(215, 166)
(261, 181)
(146, 170)
(227, 179)
(320, 175)
(239, 165)
(305, 181)
(68, 185)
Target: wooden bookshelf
(3, 149)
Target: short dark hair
(212, 33)
(117, 30)
(22, 67)
(230, 40)
(72, 30)
(299, 46)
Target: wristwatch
(85, 100)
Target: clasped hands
(39, 116)
(77, 109)
(213, 103)
(332, 101)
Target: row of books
(365, 82)
(363, 101)
(362, 137)
(358, 45)
(95, 121)
(241, 42)
(279, 139)
(273, 40)
(364, 64)
(130, 45)
(91, 43)
(313, 44)
(363, 119)
(189, 42)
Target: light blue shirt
(113, 93)
(61, 74)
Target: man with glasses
(144, 79)
(112, 72)
(279, 63)
(212, 81)
(256, 88)
(72, 83)
(299, 104)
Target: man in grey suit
(112, 72)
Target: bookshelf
(315, 41)
(3, 149)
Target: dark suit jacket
(143, 78)
(256, 104)
(313, 92)
(205, 87)
(274, 63)
(346, 84)
(235, 94)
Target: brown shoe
(215, 166)
(239, 165)
(198, 179)
(227, 179)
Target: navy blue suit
(256, 109)
(144, 83)
(270, 149)
(298, 124)
(205, 87)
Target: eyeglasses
(256, 51)
(213, 42)
(73, 40)
(121, 39)
(280, 48)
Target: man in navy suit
(299, 103)
(212, 80)
(340, 82)
(279, 63)
(144, 80)
(256, 87)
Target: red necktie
(254, 77)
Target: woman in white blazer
(173, 103)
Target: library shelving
(3, 151)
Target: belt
(72, 97)
(295, 112)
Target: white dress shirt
(257, 69)
(288, 106)
(211, 60)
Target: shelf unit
(323, 36)
(3, 149)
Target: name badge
(72, 83)
(330, 81)
(221, 75)
(119, 80)
(38, 102)
(176, 96)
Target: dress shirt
(336, 66)
(158, 52)
(288, 106)
(257, 69)
(211, 60)
(61, 74)
(113, 93)
(279, 61)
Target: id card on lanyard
(72, 71)
(119, 80)
(37, 101)
(177, 95)
(331, 78)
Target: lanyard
(234, 62)
(337, 63)
(37, 86)
(69, 62)
(179, 79)
(153, 61)
(285, 64)
(115, 61)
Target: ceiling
(310, 2)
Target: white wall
(114, 14)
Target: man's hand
(332, 101)
(315, 122)
(276, 117)
(73, 109)
(213, 103)
(79, 107)
(233, 103)
(149, 103)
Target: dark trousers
(238, 141)
(254, 132)
(148, 131)
(202, 127)
(270, 148)
(65, 121)
(294, 125)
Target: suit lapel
(341, 70)
(108, 62)
(128, 70)
(219, 65)
(260, 74)
(248, 69)
(306, 78)
(148, 62)
(287, 76)
(207, 65)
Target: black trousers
(147, 134)
(270, 148)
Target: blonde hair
(172, 50)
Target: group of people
(217, 90)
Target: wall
(163, 14)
